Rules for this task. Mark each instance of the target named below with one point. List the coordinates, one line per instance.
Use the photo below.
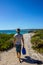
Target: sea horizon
(13, 31)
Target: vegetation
(37, 41)
(5, 41)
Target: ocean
(14, 31)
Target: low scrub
(37, 41)
(5, 42)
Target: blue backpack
(23, 51)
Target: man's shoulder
(15, 35)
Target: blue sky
(21, 14)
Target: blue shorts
(18, 48)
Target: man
(18, 38)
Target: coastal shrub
(7, 45)
(37, 41)
(5, 41)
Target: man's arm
(23, 41)
(14, 39)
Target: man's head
(18, 30)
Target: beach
(31, 57)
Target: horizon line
(21, 29)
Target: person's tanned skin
(23, 41)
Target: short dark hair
(18, 30)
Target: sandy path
(31, 58)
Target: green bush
(37, 41)
(6, 45)
(5, 42)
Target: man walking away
(18, 38)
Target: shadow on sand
(28, 59)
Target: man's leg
(19, 56)
(18, 49)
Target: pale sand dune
(9, 58)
